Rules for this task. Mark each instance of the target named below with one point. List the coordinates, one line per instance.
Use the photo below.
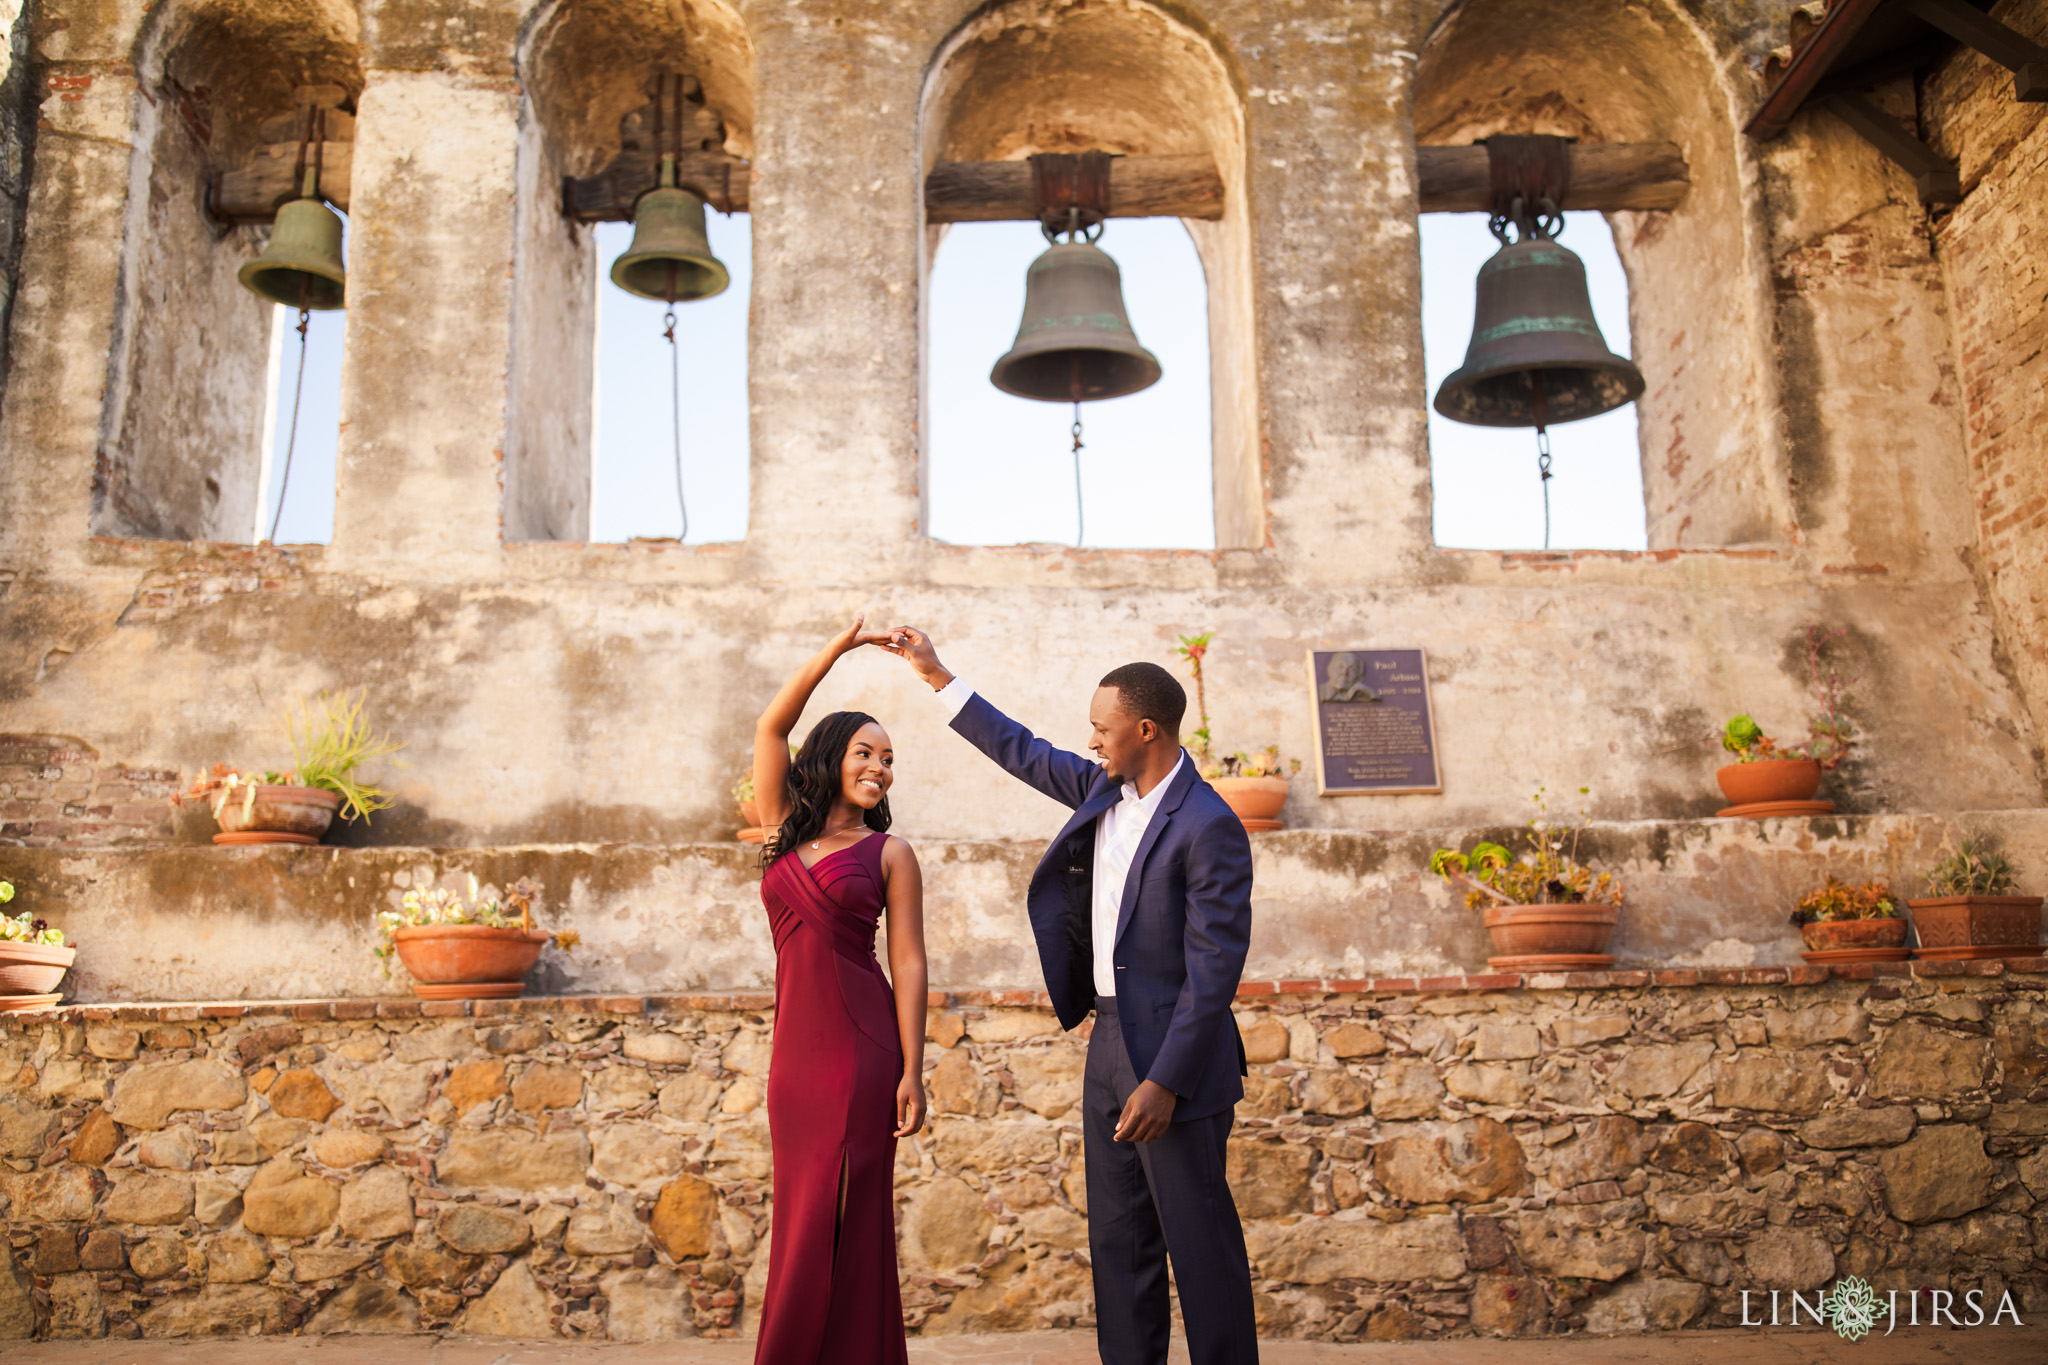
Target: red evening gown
(832, 1296)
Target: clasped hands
(1148, 1113)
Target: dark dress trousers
(1182, 932)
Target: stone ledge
(749, 1002)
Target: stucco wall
(217, 924)
(558, 693)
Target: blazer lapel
(1176, 792)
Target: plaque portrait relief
(1343, 679)
(1375, 727)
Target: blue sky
(1001, 468)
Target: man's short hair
(1149, 692)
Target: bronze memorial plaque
(1375, 730)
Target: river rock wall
(1594, 1153)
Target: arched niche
(1132, 78)
(584, 65)
(1623, 71)
(183, 430)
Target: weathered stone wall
(559, 692)
(1603, 1153)
(1992, 247)
(17, 147)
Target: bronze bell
(1537, 357)
(670, 260)
(302, 266)
(1075, 342)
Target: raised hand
(911, 644)
(853, 637)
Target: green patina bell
(302, 265)
(670, 259)
(1075, 343)
(1537, 357)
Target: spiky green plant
(1971, 867)
(330, 740)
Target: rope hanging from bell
(301, 267)
(1075, 343)
(1536, 356)
(292, 437)
(669, 259)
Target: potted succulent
(296, 807)
(1767, 778)
(475, 949)
(1253, 785)
(1843, 923)
(1970, 911)
(1543, 909)
(33, 958)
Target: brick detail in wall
(55, 792)
(204, 573)
(1408, 1164)
(1994, 248)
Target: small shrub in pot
(1970, 910)
(1544, 907)
(1837, 917)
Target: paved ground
(2004, 1346)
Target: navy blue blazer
(1181, 933)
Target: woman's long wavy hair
(814, 783)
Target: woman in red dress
(846, 1079)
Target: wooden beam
(1139, 187)
(720, 178)
(253, 192)
(1605, 176)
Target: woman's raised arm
(771, 731)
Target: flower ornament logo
(1852, 1308)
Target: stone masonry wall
(1599, 1152)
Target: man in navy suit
(1142, 912)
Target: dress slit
(832, 1296)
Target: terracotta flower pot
(1551, 930)
(1833, 936)
(304, 811)
(456, 961)
(1976, 926)
(1769, 781)
(750, 812)
(1257, 801)
(33, 968)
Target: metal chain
(292, 440)
(1543, 474)
(675, 373)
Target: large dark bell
(670, 258)
(1534, 317)
(302, 265)
(1075, 342)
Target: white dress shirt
(1117, 836)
